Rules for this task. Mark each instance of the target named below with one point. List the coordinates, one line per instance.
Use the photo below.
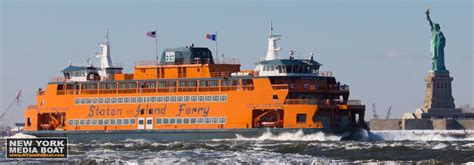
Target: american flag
(151, 34)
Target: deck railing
(280, 86)
(302, 101)
(57, 79)
(325, 74)
(354, 102)
(220, 74)
(34, 107)
(233, 61)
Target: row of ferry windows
(158, 121)
(151, 99)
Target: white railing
(325, 74)
(196, 61)
(354, 102)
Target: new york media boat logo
(36, 148)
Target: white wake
(423, 135)
(288, 136)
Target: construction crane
(374, 112)
(16, 100)
(388, 112)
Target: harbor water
(286, 148)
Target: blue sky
(381, 49)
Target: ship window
(165, 121)
(222, 120)
(213, 83)
(93, 122)
(193, 120)
(83, 101)
(192, 83)
(88, 122)
(224, 98)
(140, 122)
(167, 98)
(160, 99)
(169, 56)
(71, 122)
(289, 68)
(112, 121)
(111, 86)
(215, 120)
(182, 83)
(126, 99)
(134, 99)
(120, 100)
(101, 100)
(208, 120)
(200, 120)
(76, 122)
(94, 100)
(275, 97)
(152, 99)
(180, 98)
(60, 87)
(186, 121)
(132, 85)
(107, 100)
(106, 122)
(158, 121)
(100, 122)
(119, 121)
(88, 101)
(162, 84)
(208, 98)
(215, 98)
(82, 122)
(139, 99)
(301, 118)
(201, 98)
(149, 121)
(172, 120)
(103, 86)
(125, 121)
(122, 85)
(203, 83)
(186, 98)
(77, 101)
(173, 98)
(114, 100)
(179, 120)
(194, 98)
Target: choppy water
(379, 147)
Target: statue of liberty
(438, 42)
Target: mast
(104, 56)
(272, 51)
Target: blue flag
(211, 37)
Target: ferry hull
(190, 135)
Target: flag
(151, 34)
(211, 37)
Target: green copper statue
(437, 45)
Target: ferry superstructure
(188, 91)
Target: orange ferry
(190, 95)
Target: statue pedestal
(438, 95)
